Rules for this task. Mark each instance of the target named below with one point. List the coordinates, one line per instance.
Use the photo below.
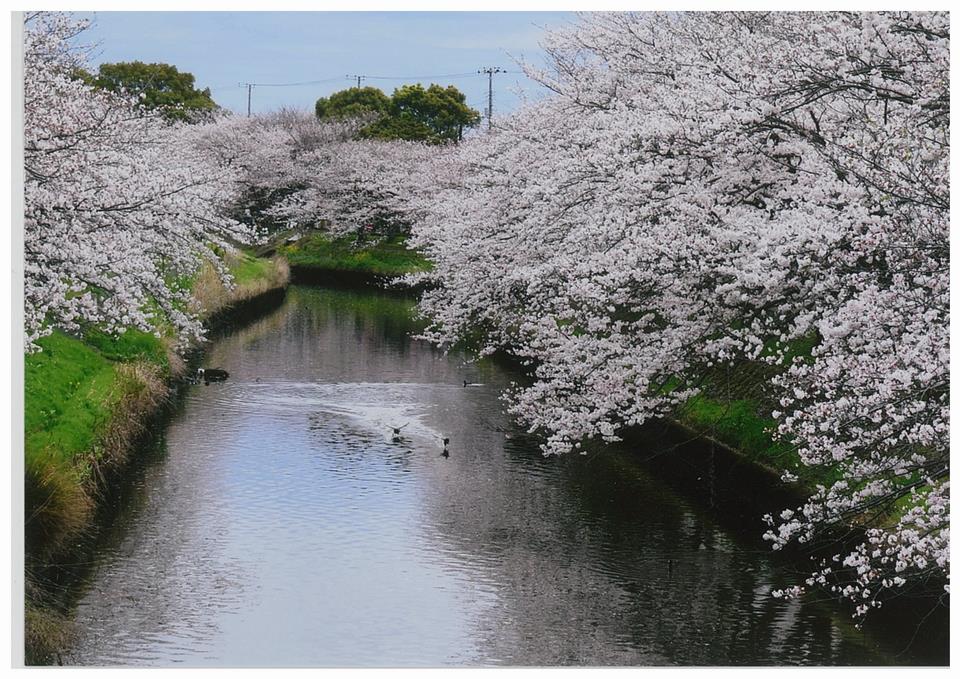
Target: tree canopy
(434, 114)
(353, 102)
(159, 86)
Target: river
(279, 523)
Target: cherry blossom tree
(291, 168)
(358, 186)
(707, 188)
(119, 204)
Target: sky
(224, 49)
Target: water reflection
(286, 526)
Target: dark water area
(280, 523)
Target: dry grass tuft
(175, 361)
(139, 391)
(57, 506)
(211, 295)
(45, 633)
(209, 292)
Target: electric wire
(365, 77)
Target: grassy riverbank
(86, 401)
(387, 258)
(735, 408)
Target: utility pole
(359, 78)
(490, 71)
(249, 87)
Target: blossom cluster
(294, 170)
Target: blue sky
(223, 49)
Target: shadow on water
(283, 522)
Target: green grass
(738, 424)
(734, 422)
(71, 388)
(129, 346)
(738, 417)
(385, 258)
(68, 389)
(248, 268)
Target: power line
(421, 77)
(250, 87)
(486, 71)
(371, 77)
(305, 82)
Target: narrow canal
(281, 524)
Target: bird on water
(396, 431)
(209, 375)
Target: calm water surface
(282, 525)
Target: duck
(396, 431)
(209, 375)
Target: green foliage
(434, 114)
(390, 127)
(352, 102)
(384, 258)
(159, 86)
(444, 110)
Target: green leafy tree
(353, 102)
(160, 87)
(399, 127)
(435, 114)
(415, 109)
